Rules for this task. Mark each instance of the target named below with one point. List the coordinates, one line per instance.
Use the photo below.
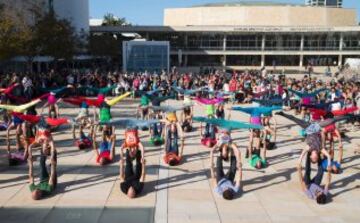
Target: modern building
(330, 3)
(252, 35)
(75, 11)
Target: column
(302, 42)
(224, 43)
(263, 42)
(340, 60)
(224, 61)
(341, 42)
(262, 60)
(301, 63)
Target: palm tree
(111, 20)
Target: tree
(111, 20)
(104, 45)
(9, 40)
(55, 38)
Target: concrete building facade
(239, 36)
(260, 15)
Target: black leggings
(129, 170)
(230, 175)
(44, 174)
(318, 178)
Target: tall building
(75, 11)
(330, 3)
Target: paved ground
(89, 193)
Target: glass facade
(322, 42)
(282, 42)
(282, 60)
(321, 60)
(351, 42)
(205, 42)
(243, 42)
(140, 56)
(242, 60)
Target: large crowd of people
(30, 106)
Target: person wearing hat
(172, 132)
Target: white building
(75, 11)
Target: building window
(205, 42)
(282, 60)
(243, 42)
(205, 60)
(242, 60)
(351, 42)
(324, 42)
(282, 42)
(320, 60)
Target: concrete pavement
(89, 193)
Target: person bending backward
(269, 132)
(329, 133)
(132, 182)
(224, 183)
(156, 130)
(106, 152)
(17, 123)
(209, 137)
(172, 132)
(43, 135)
(186, 119)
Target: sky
(151, 12)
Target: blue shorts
(17, 121)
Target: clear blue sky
(150, 12)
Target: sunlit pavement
(90, 193)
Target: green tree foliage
(9, 40)
(103, 45)
(47, 35)
(111, 20)
(55, 37)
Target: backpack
(131, 138)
